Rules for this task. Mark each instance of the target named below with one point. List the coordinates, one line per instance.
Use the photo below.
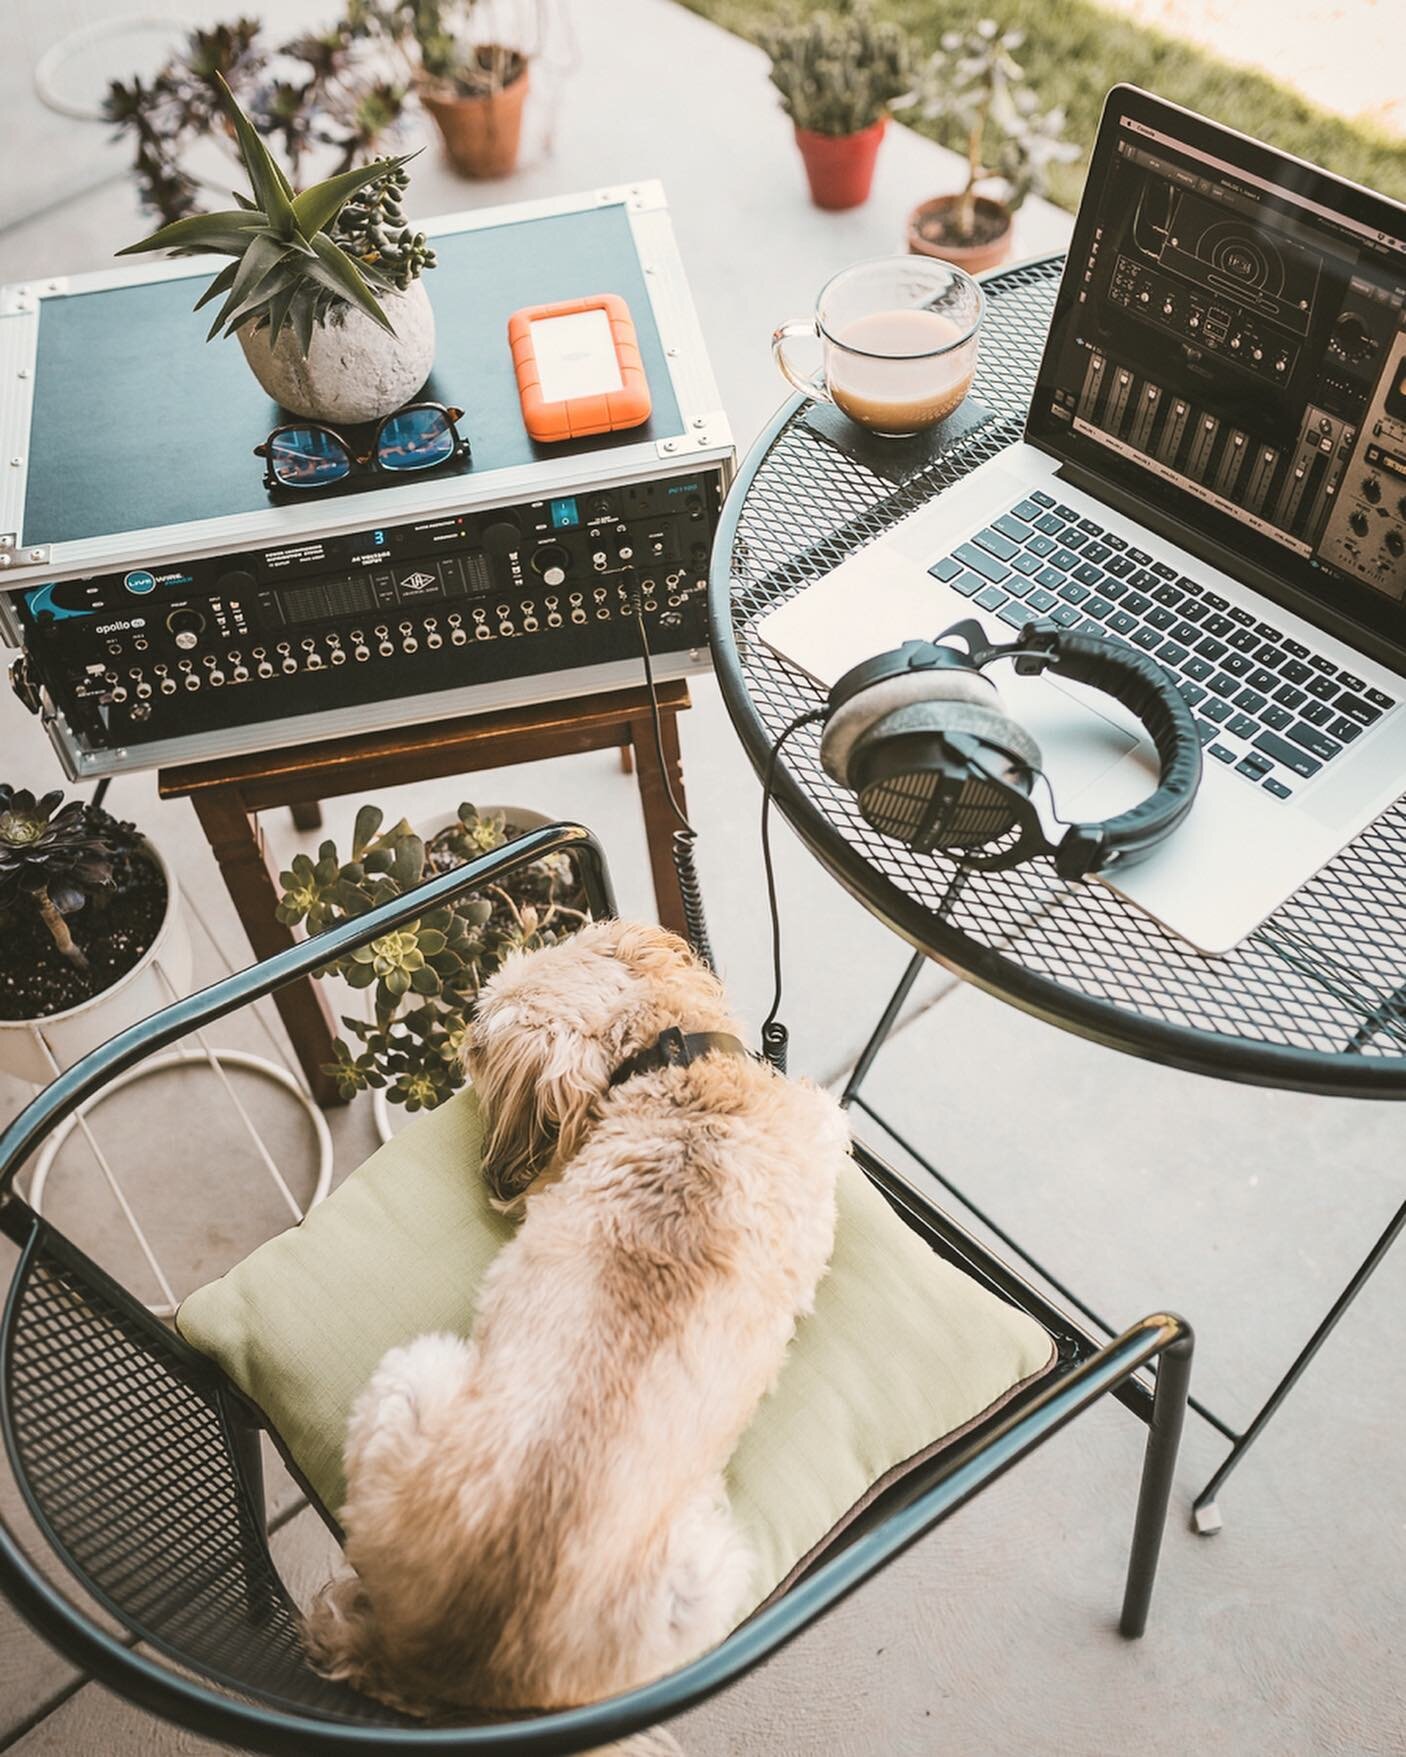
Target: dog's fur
(537, 1518)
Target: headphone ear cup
(853, 718)
(916, 787)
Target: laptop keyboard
(1266, 706)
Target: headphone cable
(774, 1034)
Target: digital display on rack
(345, 597)
(368, 547)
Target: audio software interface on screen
(1246, 345)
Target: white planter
(353, 371)
(135, 996)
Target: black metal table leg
(1204, 1510)
(886, 1023)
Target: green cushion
(902, 1351)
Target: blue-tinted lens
(306, 457)
(415, 439)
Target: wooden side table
(228, 796)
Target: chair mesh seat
(125, 1454)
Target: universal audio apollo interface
(168, 609)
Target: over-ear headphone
(920, 736)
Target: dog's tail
(339, 1635)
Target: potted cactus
(975, 85)
(839, 74)
(423, 981)
(87, 906)
(322, 287)
(473, 85)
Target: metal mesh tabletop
(1314, 999)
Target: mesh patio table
(1314, 1000)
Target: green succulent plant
(436, 37)
(423, 979)
(53, 857)
(373, 230)
(976, 85)
(840, 70)
(328, 96)
(286, 268)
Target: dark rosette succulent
(52, 857)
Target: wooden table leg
(252, 883)
(659, 820)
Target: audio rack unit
(168, 609)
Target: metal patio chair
(140, 1463)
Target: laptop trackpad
(1083, 748)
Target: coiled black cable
(776, 1042)
(683, 839)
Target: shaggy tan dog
(537, 1518)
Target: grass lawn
(1075, 50)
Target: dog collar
(674, 1048)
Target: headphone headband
(920, 735)
(1142, 686)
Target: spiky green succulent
(286, 269)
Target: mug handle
(801, 326)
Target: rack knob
(502, 536)
(186, 626)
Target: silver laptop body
(1214, 470)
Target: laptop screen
(1229, 344)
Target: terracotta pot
(354, 371)
(481, 134)
(841, 166)
(972, 257)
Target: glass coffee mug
(898, 340)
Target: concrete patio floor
(1283, 1637)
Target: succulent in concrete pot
(839, 74)
(323, 287)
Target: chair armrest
(237, 990)
(969, 1470)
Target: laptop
(1214, 471)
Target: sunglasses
(306, 454)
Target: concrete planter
(133, 997)
(354, 371)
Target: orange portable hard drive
(578, 368)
